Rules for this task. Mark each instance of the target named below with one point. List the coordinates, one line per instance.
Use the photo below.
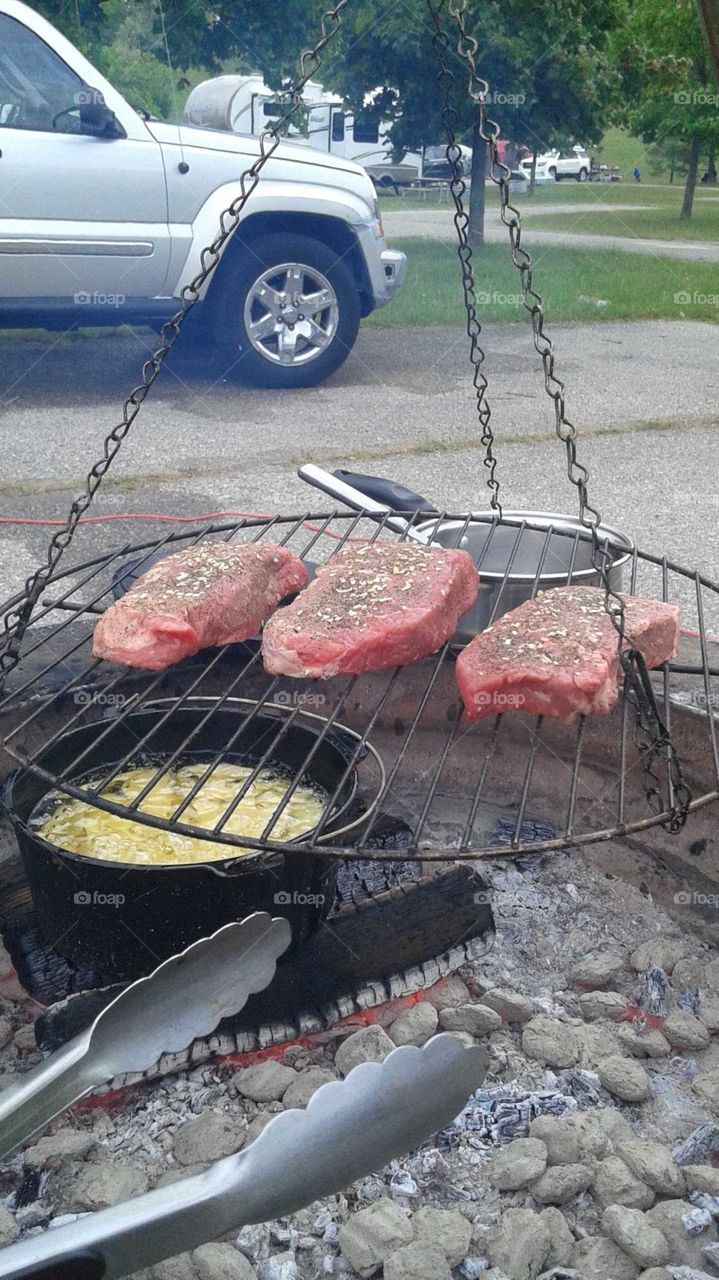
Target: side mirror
(96, 118)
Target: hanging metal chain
(651, 735)
(16, 620)
(458, 187)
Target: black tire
(249, 263)
(582, 175)
(553, 173)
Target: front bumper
(394, 263)
(385, 269)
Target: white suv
(554, 165)
(104, 213)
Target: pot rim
(216, 865)
(540, 521)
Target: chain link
(17, 619)
(458, 187)
(651, 735)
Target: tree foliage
(671, 98)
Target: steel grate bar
(667, 709)
(527, 781)
(707, 685)
(575, 777)
(465, 842)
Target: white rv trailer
(245, 104)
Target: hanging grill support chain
(458, 187)
(17, 620)
(651, 735)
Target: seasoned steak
(212, 593)
(557, 655)
(380, 605)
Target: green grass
(654, 224)
(624, 150)
(590, 194)
(572, 282)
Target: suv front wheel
(287, 313)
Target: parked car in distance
(106, 213)
(555, 165)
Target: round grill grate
(414, 753)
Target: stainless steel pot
(524, 552)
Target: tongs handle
(350, 1128)
(30, 1104)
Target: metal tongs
(350, 1128)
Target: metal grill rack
(414, 751)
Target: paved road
(644, 395)
(436, 224)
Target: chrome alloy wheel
(291, 314)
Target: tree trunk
(671, 175)
(688, 201)
(475, 231)
(533, 173)
(709, 19)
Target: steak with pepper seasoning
(384, 604)
(557, 655)
(212, 593)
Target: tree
(667, 81)
(546, 61)
(155, 50)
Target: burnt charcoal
(45, 974)
(688, 1000)
(498, 1115)
(653, 992)
(390, 833)
(700, 1147)
(361, 879)
(582, 1089)
(29, 1190)
(531, 831)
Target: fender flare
(312, 199)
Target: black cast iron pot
(122, 919)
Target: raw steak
(557, 655)
(380, 605)
(212, 593)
